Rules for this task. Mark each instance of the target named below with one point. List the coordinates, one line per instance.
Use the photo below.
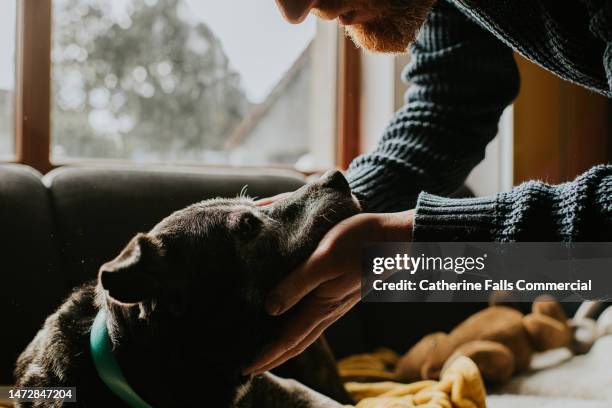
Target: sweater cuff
(440, 219)
(379, 190)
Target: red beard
(395, 27)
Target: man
(462, 76)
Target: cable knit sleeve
(461, 79)
(580, 210)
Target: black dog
(184, 309)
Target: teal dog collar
(107, 366)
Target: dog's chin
(341, 209)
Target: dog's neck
(158, 372)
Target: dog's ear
(131, 277)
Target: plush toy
(500, 340)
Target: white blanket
(558, 381)
(522, 401)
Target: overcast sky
(259, 43)
(7, 44)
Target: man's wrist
(398, 226)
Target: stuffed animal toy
(500, 340)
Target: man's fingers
(311, 337)
(295, 287)
(300, 347)
(301, 326)
(296, 329)
(271, 200)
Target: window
(7, 78)
(189, 81)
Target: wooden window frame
(33, 94)
(33, 84)
(348, 141)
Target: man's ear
(132, 276)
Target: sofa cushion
(98, 210)
(32, 284)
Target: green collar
(107, 366)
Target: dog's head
(203, 272)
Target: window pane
(181, 80)
(7, 79)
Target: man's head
(378, 25)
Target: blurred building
(277, 130)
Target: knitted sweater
(462, 76)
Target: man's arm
(461, 79)
(534, 211)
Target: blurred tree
(140, 79)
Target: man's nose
(295, 11)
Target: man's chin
(392, 33)
(384, 41)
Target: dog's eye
(248, 225)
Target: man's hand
(327, 285)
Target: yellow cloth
(370, 367)
(460, 386)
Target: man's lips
(356, 17)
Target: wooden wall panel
(560, 129)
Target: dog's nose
(336, 180)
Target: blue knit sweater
(462, 76)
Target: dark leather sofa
(56, 230)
